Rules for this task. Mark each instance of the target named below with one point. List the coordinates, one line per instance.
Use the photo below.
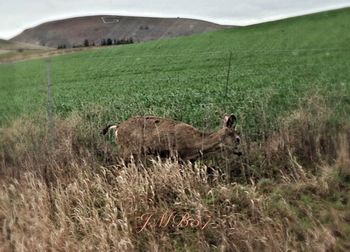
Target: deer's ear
(230, 121)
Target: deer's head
(230, 139)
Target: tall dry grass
(95, 208)
(67, 191)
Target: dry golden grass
(95, 208)
(11, 56)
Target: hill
(74, 31)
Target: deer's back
(154, 133)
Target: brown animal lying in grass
(151, 135)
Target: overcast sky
(17, 15)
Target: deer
(142, 136)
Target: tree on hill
(86, 43)
(109, 41)
(61, 46)
(125, 41)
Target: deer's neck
(210, 143)
(205, 144)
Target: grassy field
(274, 66)
(288, 84)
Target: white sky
(17, 15)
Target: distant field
(274, 67)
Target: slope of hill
(294, 51)
(266, 56)
(7, 46)
(74, 31)
(13, 45)
(12, 51)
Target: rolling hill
(74, 31)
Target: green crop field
(274, 67)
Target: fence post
(49, 104)
(228, 74)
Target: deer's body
(150, 135)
